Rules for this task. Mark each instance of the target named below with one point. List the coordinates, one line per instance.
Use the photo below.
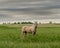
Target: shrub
(26, 23)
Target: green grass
(47, 36)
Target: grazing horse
(29, 29)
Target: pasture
(47, 36)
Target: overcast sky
(18, 10)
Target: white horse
(29, 29)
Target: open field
(47, 36)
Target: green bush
(26, 23)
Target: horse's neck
(34, 26)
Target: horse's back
(27, 28)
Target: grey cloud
(17, 3)
(41, 10)
(52, 6)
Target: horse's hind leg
(24, 35)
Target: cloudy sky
(29, 10)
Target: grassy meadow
(47, 36)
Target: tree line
(50, 22)
(19, 23)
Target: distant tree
(30, 23)
(50, 22)
(4, 23)
(9, 23)
(14, 23)
(26, 23)
(18, 22)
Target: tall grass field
(47, 36)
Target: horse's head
(35, 24)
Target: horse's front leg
(33, 33)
